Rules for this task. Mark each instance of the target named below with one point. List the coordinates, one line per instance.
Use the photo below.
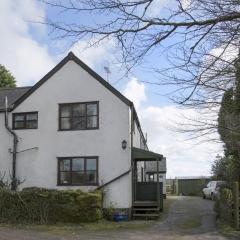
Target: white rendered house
(72, 130)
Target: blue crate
(120, 217)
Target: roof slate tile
(12, 94)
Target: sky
(29, 52)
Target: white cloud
(156, 7)
(184, 157)
(186, 4)
(228, 53)
(135, 92)
(27, 59)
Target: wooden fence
(236, 205)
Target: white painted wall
(138, 139)
(39, 167)
(6, 143)
(136, 136)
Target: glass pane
(77, 164)
(65, 165)
(91, 177)
(65, 178)
(79, 110)
(65, 111)
(79, 123)
(209, 184)
(31, 124)
(151, 179)
(65, 123)
(91, 164)
(19, 117)
(31, 116)
(19, 124)
(92, 109)
(92, 122)
(77, 177)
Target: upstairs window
(78, 116)
(27, 120)
(78, 171)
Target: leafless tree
(201, 38)
(197, 27)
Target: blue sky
(29, 52)
(143, 72)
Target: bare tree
(201, 38)
(197, 27)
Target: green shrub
(223, 206)
(37, 205)
(108, 213)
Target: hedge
(223, 206)
(35, 205)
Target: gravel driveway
(188, 218)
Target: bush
(223, 206)
(37, 205)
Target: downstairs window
(78, 171)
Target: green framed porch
(147, 195)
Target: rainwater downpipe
(14, 152)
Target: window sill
(78, 185)
(15, 129)
(69, 130)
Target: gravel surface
(188, 218)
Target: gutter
(14, 152)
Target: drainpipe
(14, 152)
(132, 163)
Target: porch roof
(145, 155)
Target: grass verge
(71, 229)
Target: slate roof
(12, 94)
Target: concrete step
(145, 204)
(145, 215)
(145, 209)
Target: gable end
(72, 57)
